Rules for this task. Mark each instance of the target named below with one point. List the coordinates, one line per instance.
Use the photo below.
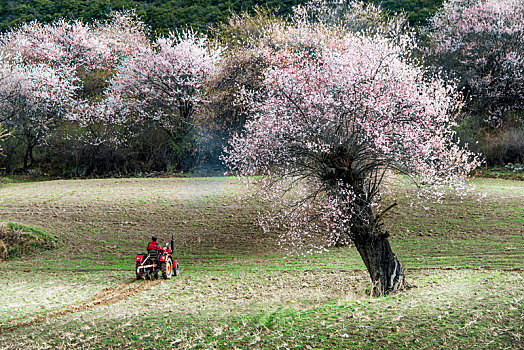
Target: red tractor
(157, 261)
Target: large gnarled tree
(345, 109)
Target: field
(464, 259)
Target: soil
(107, 297)
(82, 295)
(204, 213)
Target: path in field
(108, 296)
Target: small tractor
(156, 261)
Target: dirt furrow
(106, 297)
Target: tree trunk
(27, 156)
(366, 231)
(387, 273)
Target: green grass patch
(17, 240)
(500, 173)
(17, 179)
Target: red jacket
(153, 245)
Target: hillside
(163, 15)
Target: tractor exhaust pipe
(172, 243)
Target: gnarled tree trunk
(387, 273)
(370, 239)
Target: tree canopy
(343, 108)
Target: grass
(500, 173)
(17, 179)
(17, 239)
(453, 309)
(464, 259)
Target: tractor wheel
(167, 269)
(140, 275)
(176, 270)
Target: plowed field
(464, 258)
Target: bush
(499, 147)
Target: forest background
(153, 151)
(165, 15)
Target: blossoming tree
(481, 43)
(343, 110)
(32, 98)
(71, 60)
(74, 43)
(163, 84)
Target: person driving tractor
(157, 260)
(153, 245)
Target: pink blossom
(343, 109)
(482, 44)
